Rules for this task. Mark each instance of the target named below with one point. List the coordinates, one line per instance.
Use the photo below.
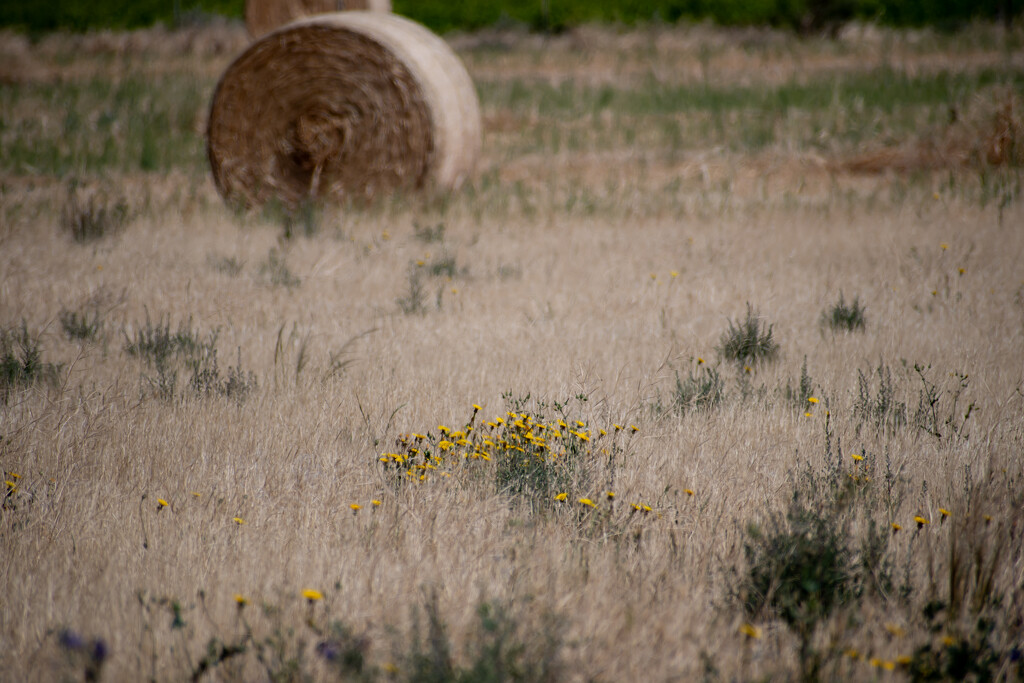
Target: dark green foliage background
(444, 15)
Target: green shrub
(81, 325)
(748, 341)
(700, 390)
(844, 317)
(89, 216)
(21, 362)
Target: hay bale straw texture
(342, 106)
(263, 16)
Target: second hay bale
(343, 105)
(263, 16)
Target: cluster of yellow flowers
(521, 436)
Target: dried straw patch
(991, 133)
(343, 106)
(263, 16)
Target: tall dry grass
(547, 299)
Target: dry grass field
(754, 305)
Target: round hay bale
(343, 105)
(263, 16)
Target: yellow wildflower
(634, 428)
(618, 428)
(895, 527)
(356, 507)
(904, 660)
(161, 503)
(238, 520)
(587, 502)
(196, 494)
(921, 521)
(443, 429)
(856, 457)
(807, 415)
(944, 246)
(894, 629)
(688, 492)
(375, 502)
(812, 400)
(476, 408)
(610, 494)
(562, 496)
(750, 630)
(312, 594)
(241, 600)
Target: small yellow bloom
(894, 629)
(948, 641)
(645, 507)
(14, 475)
(196, 494)
(238, 520)
(654, 276)
(750, 631)
(747, 369)
(812, 399)
(618, 428)
(634, 428)
(587, 502)
(945, 513)
(875, 662)
(674, 273)
(562, 496)
(944, 246)
(921, 521)
(808, 415)
(904, 660)
(445, 445)
(476, 408)
(241, 600)
(961, 270)
(610, 494)
(375, 502)
(895, 527)
(443, 429)
(312, 594)
(161, 503)
(356, 507)
(688, 492)
(888, 665)
(856, 457)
